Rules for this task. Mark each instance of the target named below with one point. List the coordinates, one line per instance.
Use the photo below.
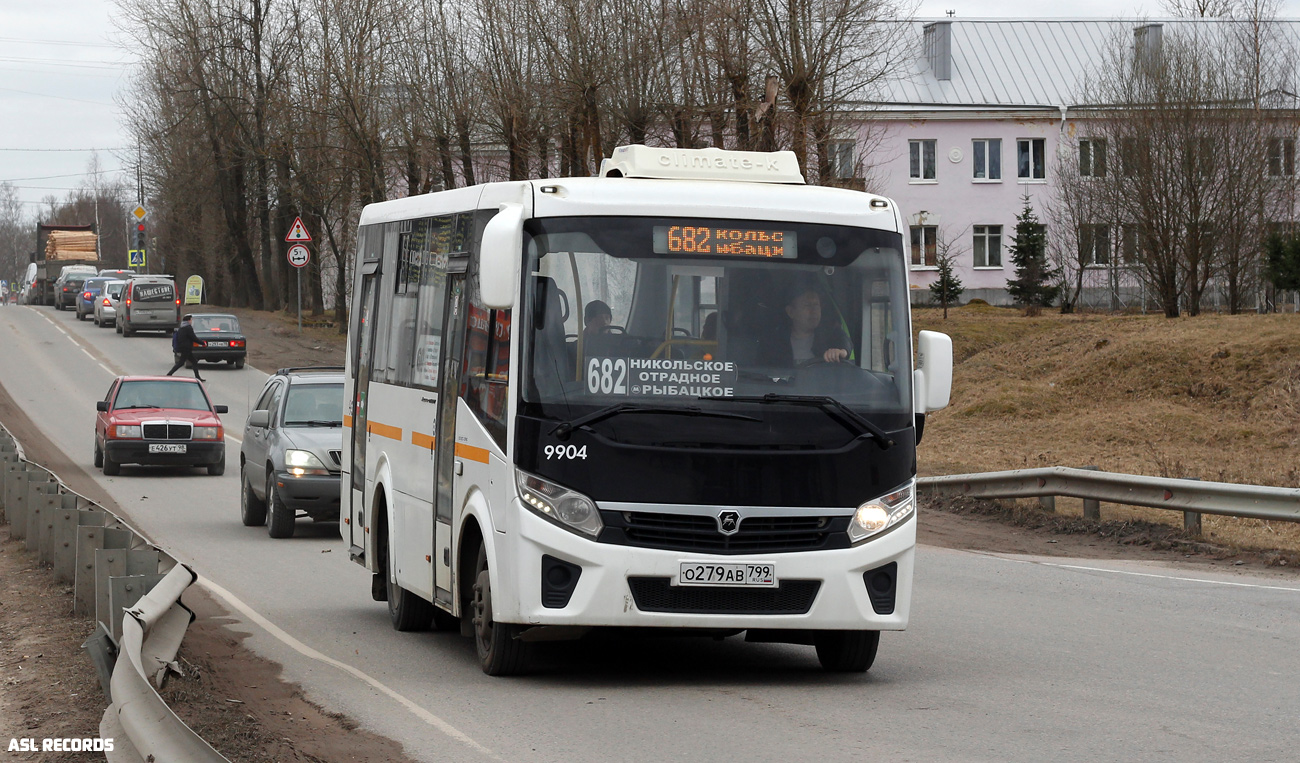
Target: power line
(70, 175)
(56, 97)
(59, 42)
(72, 150)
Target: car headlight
(568, 508)
(207, 433)
(129, 431)
(880, 514)
(300, 462)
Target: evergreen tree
(1033, 287)
(1282, 258)
(947, 287)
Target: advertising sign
(194, 290)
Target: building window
(987, 154)
(1031, 159)
(1134, 153)
(1092, 157)
(843, 164)
(1281, 157)
(1094, 245)
(988, 246)
(922, 159)
(925, 246)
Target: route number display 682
(607, 376)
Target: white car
(106, 303)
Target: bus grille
(757, 535)
(792, 597)
(168, 431)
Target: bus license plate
(159, 448)
(746, 575)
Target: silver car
(106, 303)
(290, 462)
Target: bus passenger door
(453, 351)
(361, 387)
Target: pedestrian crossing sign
(135, 258)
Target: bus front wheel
(500, 652)
(846, 651)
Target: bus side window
(485, 376)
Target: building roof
(1006, 64)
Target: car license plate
(161, 448)
(759, 575)
(216, 344)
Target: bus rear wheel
(500, 652)
(406, 610)
(846, 651)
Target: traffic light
(139, 236)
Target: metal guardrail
(1192, 497)
(131, 588)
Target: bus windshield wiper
(826, 403)
(563, 429)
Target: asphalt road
(1006, 658)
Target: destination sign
(714, 240)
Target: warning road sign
(299, 255)
(298, 231)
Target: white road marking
(109, 370)
(1179, 578)
(310, 653)
(92, 357)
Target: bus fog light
(880, 514)
(568, 508)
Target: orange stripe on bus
(422, 439)
(383, 430)
(472, 453)
(347, 421)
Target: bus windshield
(668, 312)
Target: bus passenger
(596, 318)
(804, 339)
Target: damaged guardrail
(1192, 497)
(131, 589)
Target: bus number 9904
(565, 452)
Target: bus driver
(806, 339)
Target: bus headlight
(876, 516)
(567, 508)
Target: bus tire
(846, 651)
(407, 610)
(500, 652)
(252, 510)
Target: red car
(160, 420)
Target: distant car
(292, 454)
(119, 274)
(90, 290)
(107, 301)
(67, 287)
(28, 285)
(218, 339)
(149, 303)
(158, 420)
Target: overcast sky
(61, 74)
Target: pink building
(975, 126)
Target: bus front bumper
(628, 586)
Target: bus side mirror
(932, 379)
(499, 256)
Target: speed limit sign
(299, 255)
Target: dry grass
(1214, 397)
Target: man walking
(183, 347)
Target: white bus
(679, 395)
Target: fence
(132, 590)
(1192, 497)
